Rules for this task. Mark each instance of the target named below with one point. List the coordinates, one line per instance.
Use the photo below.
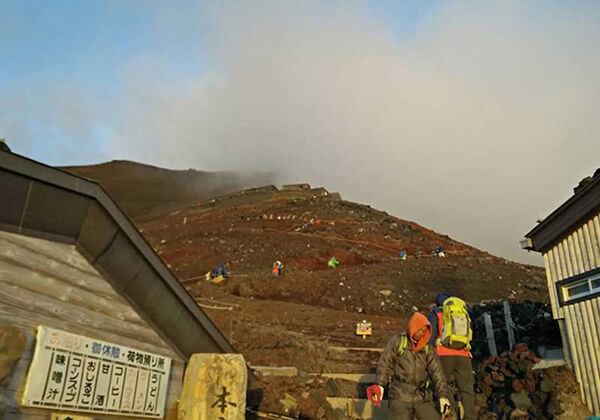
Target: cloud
(476, 124)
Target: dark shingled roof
(578, 209)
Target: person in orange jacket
(456, 362)
(410, 366)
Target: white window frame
(591, 290)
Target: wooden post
(489, 332)
(214, 386)
(509, 326)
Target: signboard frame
(364, 329)
(81, 374)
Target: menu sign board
(78, 373)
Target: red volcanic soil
(312, 306)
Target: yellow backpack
(456, 324)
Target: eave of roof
(576, 210)
(42, 201)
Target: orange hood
(417, 321)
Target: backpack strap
(403, 345)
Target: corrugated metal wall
(580, 322)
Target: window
(577, 289)
(581, 288)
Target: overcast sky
(473, 118)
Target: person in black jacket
(410, 366)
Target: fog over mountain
(475, 123)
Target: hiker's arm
(385, 367)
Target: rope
(221, 308)
(269, 415)
(217, 302)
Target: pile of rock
(509, 387)
(532, 324)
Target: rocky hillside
(250, 230)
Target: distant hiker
(332, 263)
(277, 268)
(452, 334)
(439, 252)
(3, 146)
(411, 368)
(219, 270)
(402, 255)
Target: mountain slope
(305, 231)
(291, 320)
(145, 191)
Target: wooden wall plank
(591, 331)
(576, 348)
(572, 255)
(54, 268)
(548, 263)
(51, 250)
(595, 236)
(583, 250)
(588, 245)
(564, 249)
(64, 291)
(17, 297)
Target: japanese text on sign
(78, 373)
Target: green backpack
(456, 325)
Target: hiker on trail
(332, 263)
(3, 146)
(402, 255)
(411, 368)
(277, 268)
(439, 252)
(451, 325)
(219, 270)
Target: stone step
(362, 378)
(548, 363)
(353, 349)
(257, 414)
(287, 371)
(360, 409)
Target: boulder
(521, 400)
(547, 385)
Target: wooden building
(569, 240)
(78, 283)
